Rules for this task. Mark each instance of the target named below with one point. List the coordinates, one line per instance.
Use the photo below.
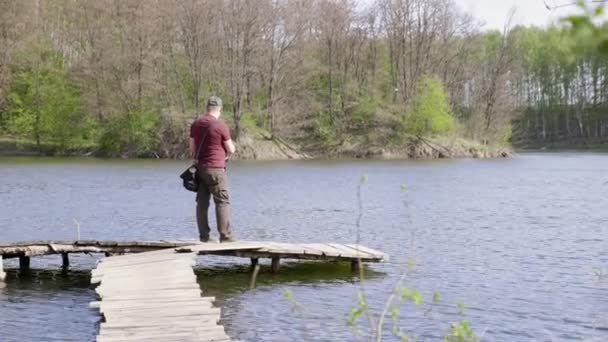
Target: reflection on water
(224, 281)
(518, 241)
(44, 305)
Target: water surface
(522, 243)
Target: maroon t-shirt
(213, 152)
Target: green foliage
(587, 34)
(325, 130)
(411, 264)
(355, 313)
(44, 104)
(506, 134)
(461, 332)
(431, 110)
(412, 295)
(133, 134)
(253, 121)
(364, 110)
(461, 308)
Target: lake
(517, 247)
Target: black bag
(189, 178)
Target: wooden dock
(153, 295)
(28, 249)
(254, 250)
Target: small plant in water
(458, 332)
(461, 332)
(401, 295)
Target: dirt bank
(414, 148)
(261, 146)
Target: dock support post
(254, 263)
(65, 261)
(276, 263)
(2, 273)
(355, 265)
(24, 263)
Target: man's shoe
(227, 240)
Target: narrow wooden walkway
(154, 296)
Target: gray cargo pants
(213, 182)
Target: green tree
(431, 110)
(588, 34)
(44, 104)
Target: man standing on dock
(211, 144)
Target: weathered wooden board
(167, 250)
(311, 251)
(37, 248)
(154, 296)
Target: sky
(528, 12)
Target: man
(213, 137)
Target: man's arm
(192, 148)
(229, 147)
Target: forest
(126, 77)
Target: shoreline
(267, 149)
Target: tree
(44, 104)
(431, 110)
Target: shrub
(431, 111)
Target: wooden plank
(149, 324)
(226, 246)
(160, 337)
(299, 249)
(377, 254)
(175, 269)
(327, 250)
(150, 301)
(116, 260)
(349, 252)
(192, 321)
(152, 292)
(199, 334)
(177, 265)
(281, 248)
(164, 254)
(136, 306)
(162, 295)
(312, 249)
(146, 313)
(161, 274)
(120, 279)
(141, 264)
(167, 335)
(105, 293)
(130, 331)
(168, 302)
